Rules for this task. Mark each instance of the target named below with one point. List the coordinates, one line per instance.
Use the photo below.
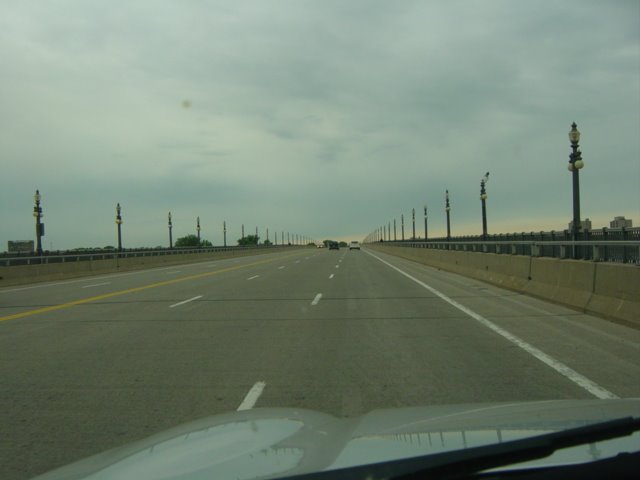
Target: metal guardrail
(620, 251)
(110, 255)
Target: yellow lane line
(61, 306)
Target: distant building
(620, 222)
(585, 225)
(20, 246)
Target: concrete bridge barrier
(610, 290)
(569, 282)
(617, 291)
(47, 272)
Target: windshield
(344, 207)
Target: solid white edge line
(577, 378)
(251, 278)
(316, 299)
(185, 301)
(252, 397)
(330, 276)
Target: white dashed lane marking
(252, 397)
(96, 285)
(185, 301)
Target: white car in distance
(354, 245)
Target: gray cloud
(325, 118)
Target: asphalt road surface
(90, 364)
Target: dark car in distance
(334, 246)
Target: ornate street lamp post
(426, 230)
(395, 236)
(170, 237)
(483, 199)
(37, 213)
(119, 224)
(575, 165)
(224, 232)
(198, 228)
(447, 209)
(413, 221)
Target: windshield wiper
(466, 462)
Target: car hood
(278, 442)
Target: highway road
(92, 363)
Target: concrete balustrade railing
(620, 251)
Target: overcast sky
(322, 118)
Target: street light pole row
(37, 213)
(575, 165)
(483, 198)
(298, 239)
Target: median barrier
(606, 289)
(47, 272)
(22, 274)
